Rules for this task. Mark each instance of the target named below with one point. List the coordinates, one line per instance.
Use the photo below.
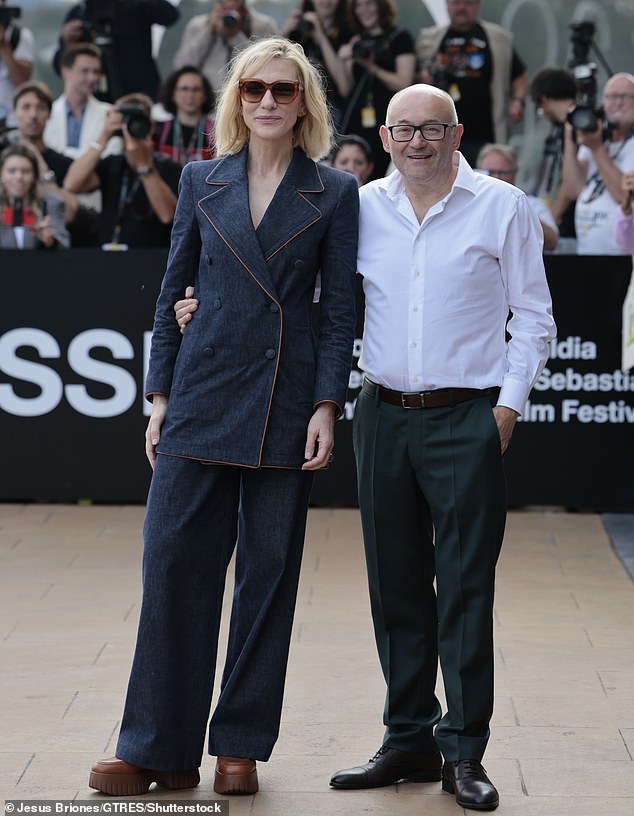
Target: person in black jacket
(123, 30)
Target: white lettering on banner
(120, 380)
(49, 382)
(571, 380)
(615, 412)
(573, 348)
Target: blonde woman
(243, 412)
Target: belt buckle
(419, 394)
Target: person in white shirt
(500, 161)
(445, 254)
(17, 52)
(593, 168)
(77, 116)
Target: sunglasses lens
(252, 91)
(284, 91)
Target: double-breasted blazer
(244, 379)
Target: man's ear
(385, 138)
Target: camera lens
(138, 125)
(231, 19)
(363, 49)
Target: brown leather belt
(440, 398)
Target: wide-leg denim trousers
(196, 516)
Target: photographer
(378, 60)
(210, 40)
(139, 188)
(125, 28)
(593, 167)
(321, 28)
(17, 51)
(554, 92)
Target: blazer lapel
(291, 212)
(226, 207)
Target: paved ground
(563, 732)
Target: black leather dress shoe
(388, 766)
(473, 789)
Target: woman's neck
(269, 159)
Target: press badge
(368, 116)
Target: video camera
(586, 115)
(136, 120)
(8, 13)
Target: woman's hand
(43, 231)
(627, 188)
(320, 437)
(184, 309)
(153, 432)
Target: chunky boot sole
(236, 784)
(135, 784)
(448, 787)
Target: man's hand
(153, 432)
(592, 140)
(320, 437)
(138, 152)
(505, 419)
(184, 309)
(73, 32)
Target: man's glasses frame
(284, 91)
(431, 131)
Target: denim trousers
(196, 516)
(432, 495)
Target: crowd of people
(364, 58)
(458, 325)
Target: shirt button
(270, 354)
(273, 307)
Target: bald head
(618, 101)
(406, 105)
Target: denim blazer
(244, 379)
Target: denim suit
(242, 385)
(244, 381)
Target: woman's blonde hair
(312, 132)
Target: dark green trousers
(432, 496)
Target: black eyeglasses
(433, 132)
(283, 91)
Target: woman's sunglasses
(283, 91)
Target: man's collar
(394, 187)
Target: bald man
(445, 254)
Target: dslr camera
(136, 120)
(586, 115)
(8, 13)
(364, 49)
(231, 19)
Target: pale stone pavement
(563, 731)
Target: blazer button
(298, 263)
(270, 354)
(209, 351)
(274, 308)
(208, 259)
(217, 303)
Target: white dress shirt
(438, 294)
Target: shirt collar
(466, 179)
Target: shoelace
(472, 767)
(382, 750)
